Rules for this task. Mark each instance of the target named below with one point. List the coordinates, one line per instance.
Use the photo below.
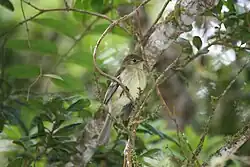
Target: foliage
(49, 88)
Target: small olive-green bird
(133, 75)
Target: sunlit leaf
(63, 26)
(23, 71)
(40, 46)
(13, 132)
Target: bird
(133, 75)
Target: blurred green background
(49, 87)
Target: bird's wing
(110, 92)
(112, 87)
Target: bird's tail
(105, 132)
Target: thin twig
(33, 83)
(233, 81)
(31, 5)
(71, 9)
(26, 23)
(201, 141)
(21, 23)
(42, 11)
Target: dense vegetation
(50, 88)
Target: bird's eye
(134, 60)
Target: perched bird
(133, 75)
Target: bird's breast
(134, 80)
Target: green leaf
(81, 4)
(231, 20)
(79, 105)
(62, 138)
(143, 131)
(66, 130)
(4, 91)
(2, 122)
(119, 2)
(85, 114)
(70, 146)
(20, 143)
(230, 5)
(12, 132)
(53, 76)
(97, 5)
(197, 42)
(69, 82)
(55, 106)
(23, 71)
(58, 123)
(47, 117)
(83, 59)
(16, 163)
(150, 153)
(40, 125)
(7, 4)
(40, 46)
(218, 7)
(36, 135)
(159, 133)
(140, 145)
(63, 26)
(27, 115)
